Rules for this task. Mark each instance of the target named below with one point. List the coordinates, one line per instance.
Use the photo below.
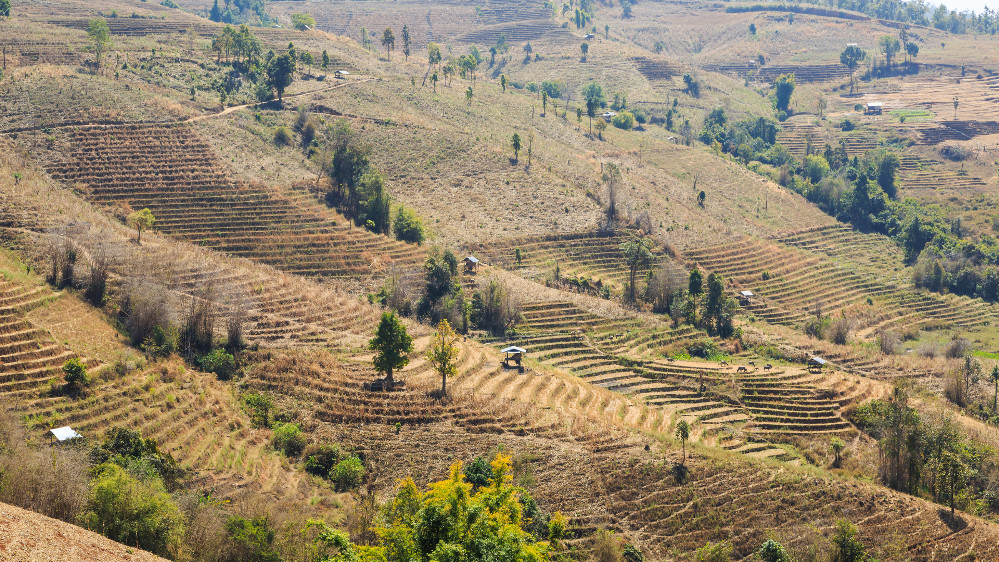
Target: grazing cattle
(724, 363)
(670, 360)
(742, 370)
(753, 363)
(767, 367)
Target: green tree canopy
(391, 345)
(5, 8)
(141, 220)
(99, 34)
(302, 22)
(280, 72)
(637, 253)
(783, 88)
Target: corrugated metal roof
(513, 349)
(64, 433)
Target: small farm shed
(341, 74)
(816, 364)
(589, 36)
(513, 353)
(745, 297)
(471, 264)
(63, 434)
(874, 108)
(609, 116)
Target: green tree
(516, 146)
(215, 14)
(391, 345)
(837, 447)
(624, 120)
(407, 226)
(544, 103)
(141, 220)
(75, 373)
(407, 42)
(450, 521)
(994, 377)
(326, 60)
(952, 475)
(503, 82)
(132, 511)
(388, 41)
(851, 57)
(253, 539)
(443, 353)
(348, 473)
(302, 22)
(637, 253)
(912, 50)
(701, 196)
(888, 165)
(682, 433)
(585, 48)
(773, 551)
(890, 47)
(468, 96)
(280, 72)
(375, 205)
(288, 439)
(847, 548)
(783, 88)
(433, 54)
(100, 35)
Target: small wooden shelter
(745, 297)
(874, 108)
(341, 74)
(62, 435)
(471, 264)
(513, 353)
(815, 364)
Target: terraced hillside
(170, 170)
(29, 358)
(790, 285)
(595, 256)
(728, 408)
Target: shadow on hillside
(954, 522)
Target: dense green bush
(348, 473)
(252, 539)
(478, 473)
(132, 511)
(128, 449)
(219, 362)
(261, 408)
(407, 226)
(288, 439)
(75, 373)
(321, 459)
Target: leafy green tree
(851, 57)
(952, 474)
(407, 42)
(220, 362)
(132, 511)
(837, 447)
(75, 373)
(516, 147)
(288, 439)
(141, 220)
(888, 164)
(624, 120)
(783, 88)
(326, 60)
(451, 522)
(468, 96)
(215, 14)
(478, 473)
(100, 35)
(701, 196)
(407, 226)
(503, 82)
(388, 41)
(994, 377)
(847, 547)
(544, 103)
(348, 473)
(252, 539)
(912, 50)
(637, 253)
(682, 433)
(585, 48)
(302, 22)
(391, 345)
(890, 47)
(280, 72)
(443, 353)
(345, 161)
(433, 54)
(375, 205)
(773, 551)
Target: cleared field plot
(790, 285)
(803, 73)
(174, 173)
